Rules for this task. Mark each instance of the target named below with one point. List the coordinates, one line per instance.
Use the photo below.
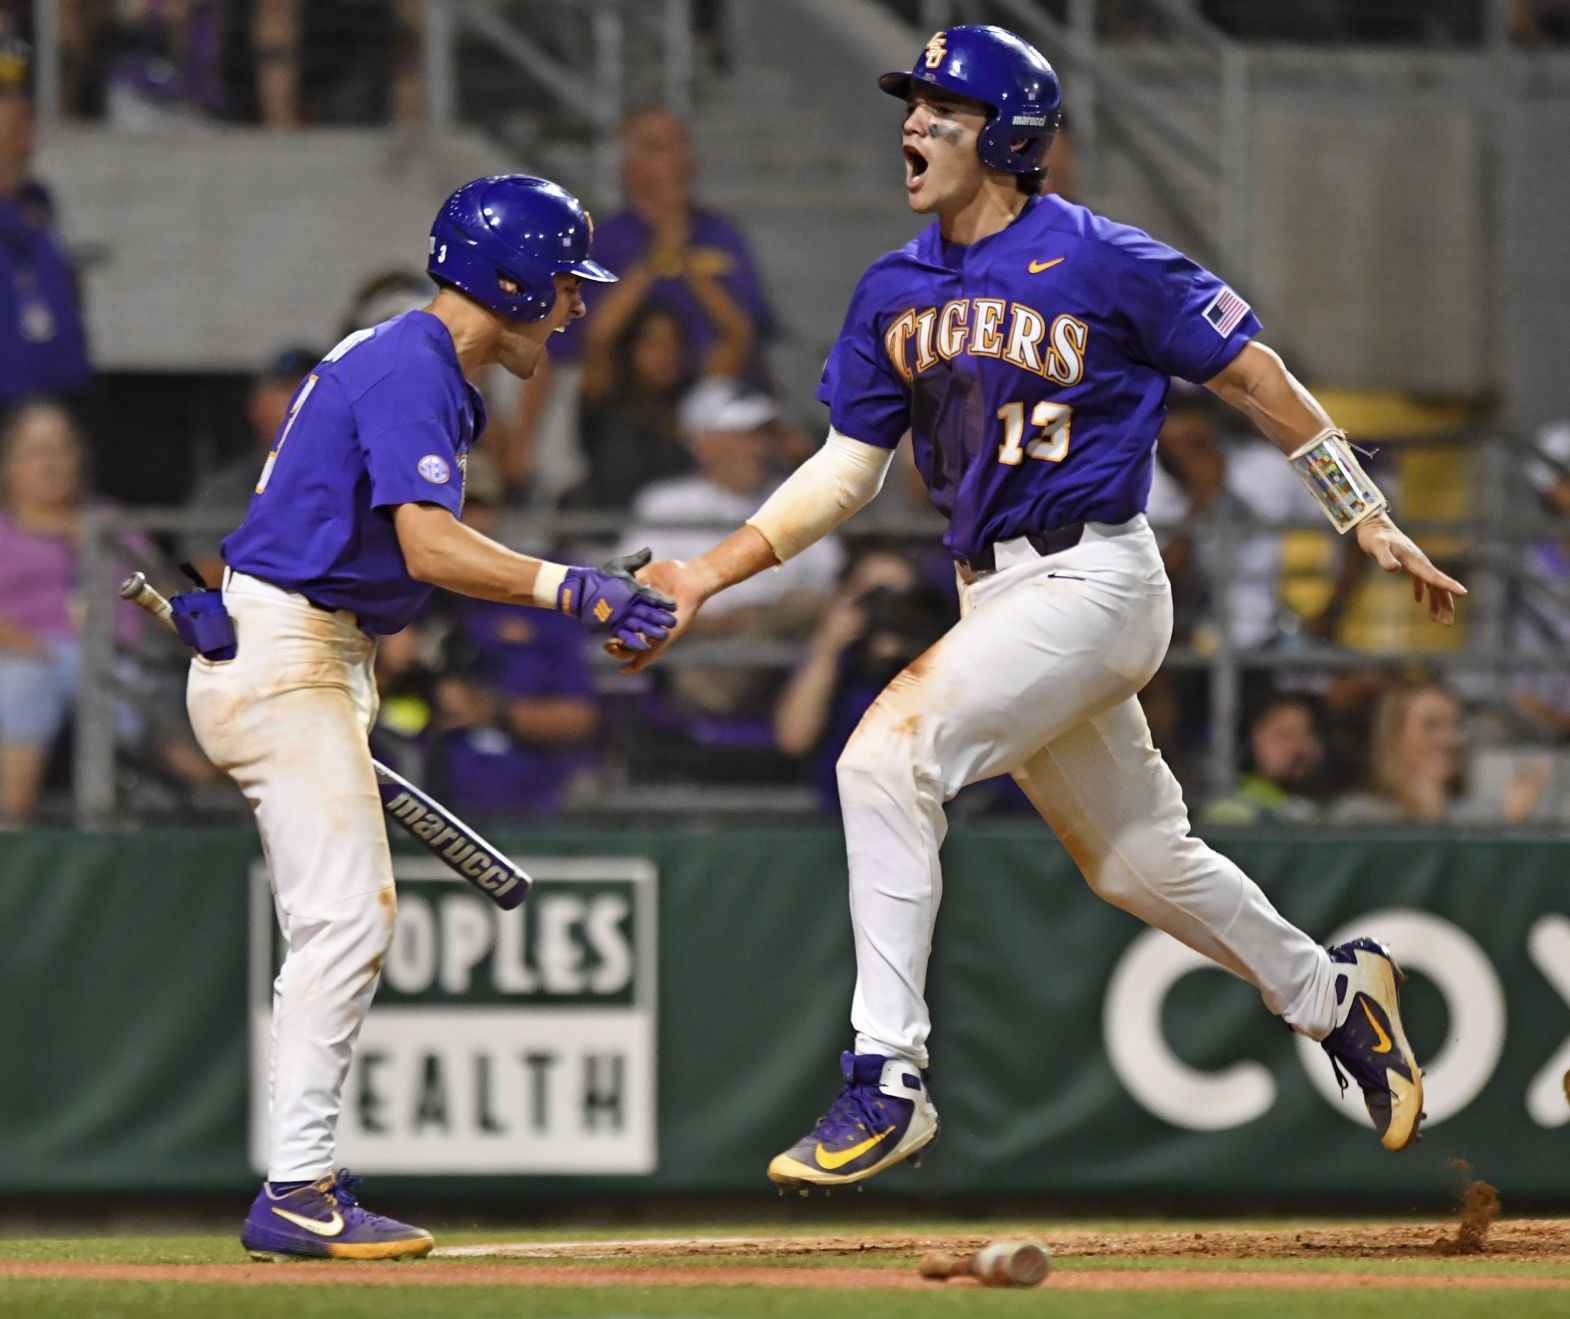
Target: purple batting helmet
(515, 227)
(1009, 76)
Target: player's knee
(363, 926)
(872, 765)
(1110, 880)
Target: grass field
(729, 1271)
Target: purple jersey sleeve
(868, 400)
(408, 428)
(1183, 320)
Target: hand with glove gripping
(611, 599)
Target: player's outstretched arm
(1258, 384)
(838, 479)
(439, 549)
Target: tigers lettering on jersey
(1030, 368)
(988, 327)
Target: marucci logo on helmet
(1029, 121)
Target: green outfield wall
(667, 1010)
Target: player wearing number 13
(354, 520)
(1026, 345)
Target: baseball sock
(278, 1189)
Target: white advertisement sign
(499, 1042)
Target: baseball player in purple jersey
(354, 520)
(1026, 345)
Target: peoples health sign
(498, 1042)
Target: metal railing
(642, 45)
(1490, 545)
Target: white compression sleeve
(820, 494)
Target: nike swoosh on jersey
(323, 1228)
(1384, 1045)
(832, 1159)
(1036, 267)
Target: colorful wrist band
(1330, 470)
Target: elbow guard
(840, 478)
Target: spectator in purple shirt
(43, 349)
(516, 713)
(164, 63)
(670, 252)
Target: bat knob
(132, 586)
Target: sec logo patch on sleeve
(433, 467)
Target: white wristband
(1333, 475)
(547, 583)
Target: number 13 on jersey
(1050, 440)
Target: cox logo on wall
(499, 1042)
(1474, 998)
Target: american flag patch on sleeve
(1225, 312)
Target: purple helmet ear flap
(1017, 141)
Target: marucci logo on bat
(474, 862)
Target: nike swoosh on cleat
(832, 1159)
(1384, 1045)
(318, 1227)
(1036, 267)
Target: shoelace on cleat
(344, 1188)
(1369, 1077)
(1335, 1066)
(856, 1110)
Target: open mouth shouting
(915, 167)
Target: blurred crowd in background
(147, 64)
(656, 421)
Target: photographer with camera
(882, 617)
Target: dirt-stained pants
(1038, 679)
(287, 719)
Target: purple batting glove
(611, 599)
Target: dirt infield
(1528, 1240)
(844, 1260)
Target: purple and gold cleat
(1368, 1040)
(323, 1220)
(883, 1115)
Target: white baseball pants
(287, 719)
(1038, 679)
